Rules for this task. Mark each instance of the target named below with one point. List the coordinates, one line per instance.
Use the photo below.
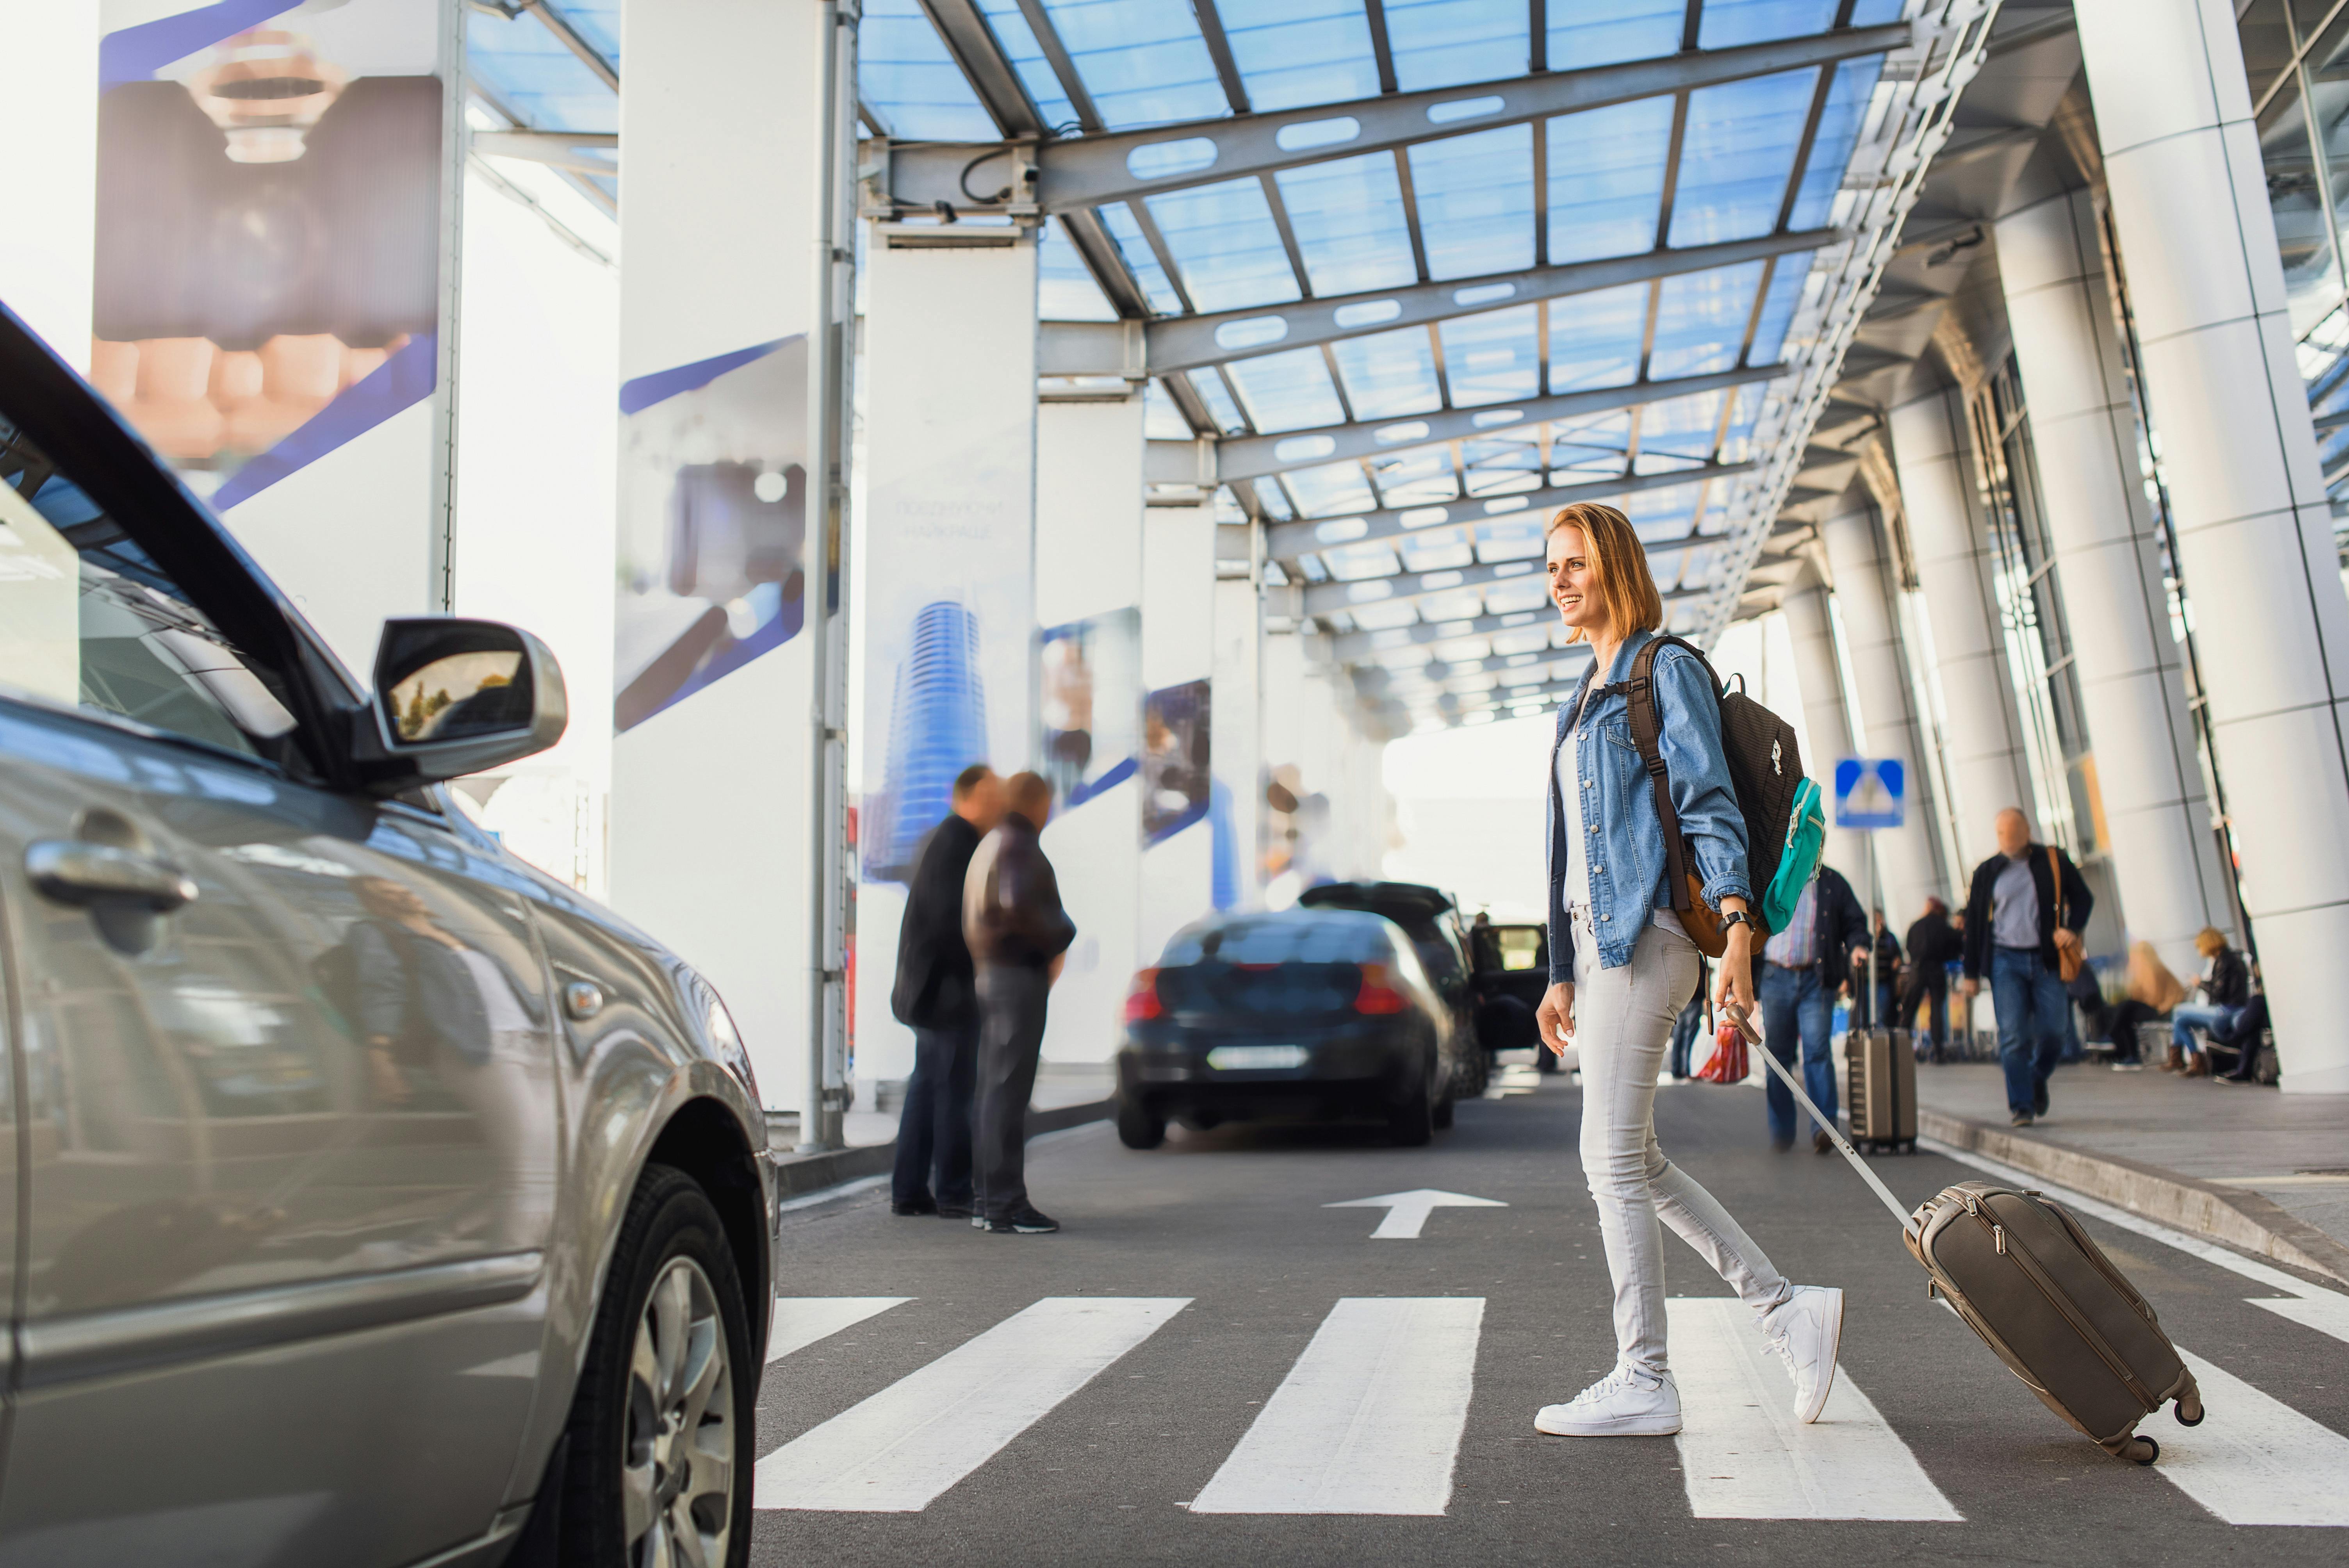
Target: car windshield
(89, 620)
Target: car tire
(1139, 1127)
(672, 1307)
(1412, 1123)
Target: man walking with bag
(1803, 967)
(2023, 918)
(1018, 933)
(935, 997)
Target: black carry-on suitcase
(1881, 1089)
(2020, 1271)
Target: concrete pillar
(1827, 722)
(2206, 278)
(2156, 815)
(1906, 869)
(1237, 814)
(1982, 755)
(1178, 614)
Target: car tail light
(1376, 995)
(1141, 1002)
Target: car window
(88, 620)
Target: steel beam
(1355, 647)
(569, 37)
(1288, 541)
(1088, 170)
(991, 77)
(1249, 457)
(555, 148)
(1532, 667)
(1183, 343)
(1329, 598)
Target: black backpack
(1785, 826)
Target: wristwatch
(1738, 917)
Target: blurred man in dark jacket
(935, 997)
(1933, 942)
(2014, 939)
(1803, 967)
(1018, 933)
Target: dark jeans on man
(1919, 988)
(2034, 1016)
(934, 1129)
(1796, 1009)
(1011, 1000)
(1685, 1029)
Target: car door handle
(71, 872)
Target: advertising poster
(1089, 706)
(268, 246)
(712, 524)
(1175, 759)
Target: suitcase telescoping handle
(1769, 1059)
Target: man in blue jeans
(1803, 967)
(2028, 905)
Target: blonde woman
(1621, 967)
(2153, 994)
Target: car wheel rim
(677, 1469)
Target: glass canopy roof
(1740, 159)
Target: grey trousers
(1622, 1023)
(1011, 1001)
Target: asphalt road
(1083, 1432)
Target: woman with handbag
(1622, 961)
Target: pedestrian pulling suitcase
(1881, 1089)
(2020, 1272)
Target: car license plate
(1231, 1059)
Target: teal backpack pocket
(1806, 838)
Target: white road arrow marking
(1408, 1212)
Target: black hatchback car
(1431, 918)
(1308, 1012)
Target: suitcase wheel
(2144, 1451)
(2187, 1409)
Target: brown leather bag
(2069, 956)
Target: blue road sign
(1870, 792)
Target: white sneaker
(1805, 1331)
(1626, 1403)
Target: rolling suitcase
(1881, 1089)
(2021, 1273)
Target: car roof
(1289, 935)
(1416, 899)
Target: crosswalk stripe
(2323, 1310)
(1368, 1418)
(2254, 1460)
(801, 1320)
(1744, 1456)
(899, 1450)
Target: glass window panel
(540, 81)
(1607, 32)
(1785, 292)
(2311, 277)
(1492, 357)
(2327, 72)
(1875, 13)
(1442, 550)
(1142, 60)
(902, 68)
(1273, 498)
(1728, 23)
(1389, 374)
(1212, 392)
(1680, 427)
(1513, 537)
(1737, 155)
(1663, 514)
(1445, 43)
(1839, 124)
(2267, 45)
(1141, 260)
(1419, 490)
(1701, 321)
(1331, 491)
(1223, 239)
(1287, 391)
(1593, 445)
(1351, 562)
(1593, 338)
(1161, 419)
(1737, 445)
(1065, 289)
(1020, 47)
(1347, 215)
(1606, 179)
(1476, 201)
(1295, 52)
(2308, 16)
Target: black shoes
(2039, 1106)
(918, 1206)
(2020, 1119)
(953, 1210)
(1029, 1221)
(1821, 1144)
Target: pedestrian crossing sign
(1870, 792)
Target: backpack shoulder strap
(1647, 734)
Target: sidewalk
(2265, 1171)
(1067, 1094)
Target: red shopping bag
(1728, 1063)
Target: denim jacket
(1618, 810)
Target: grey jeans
(1622, 1024)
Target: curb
(797, 1175)
(2242, 1219)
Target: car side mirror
(455, 696)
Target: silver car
(370, 1197)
